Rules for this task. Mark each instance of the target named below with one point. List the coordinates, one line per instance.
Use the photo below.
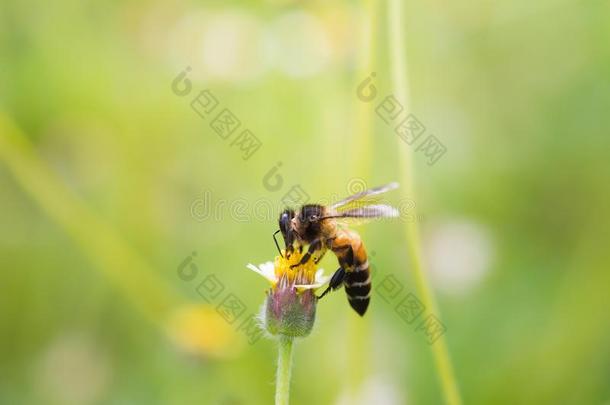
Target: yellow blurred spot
(200, 330)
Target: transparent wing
(363, 199)
(362, 215)
(371, 211)
(364, 207)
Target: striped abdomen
(358, 286)
(353, 259)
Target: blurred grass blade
(359, 328)
(117, 261)
(399, 79)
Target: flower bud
(289, 312)
(290, 306)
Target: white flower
(290, 305)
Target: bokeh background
(110, 181)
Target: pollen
(300, 274)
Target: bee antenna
(277, 244)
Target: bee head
(308, 222)
(285, 222)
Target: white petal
(308, 286)
(264, 271)
(320, 277)
(268, 269)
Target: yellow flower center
(300, 274)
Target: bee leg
(289, 251)
(315, 245)
(335, 282)
(317, 260)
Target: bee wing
(363, 199)
(361, 215)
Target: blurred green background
(103, 170)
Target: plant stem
(284, 367)
(399, 79)
(361, 142)
(359, 328)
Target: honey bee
(326, 227)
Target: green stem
(399, 79)
(284, 367)
(358, 328)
